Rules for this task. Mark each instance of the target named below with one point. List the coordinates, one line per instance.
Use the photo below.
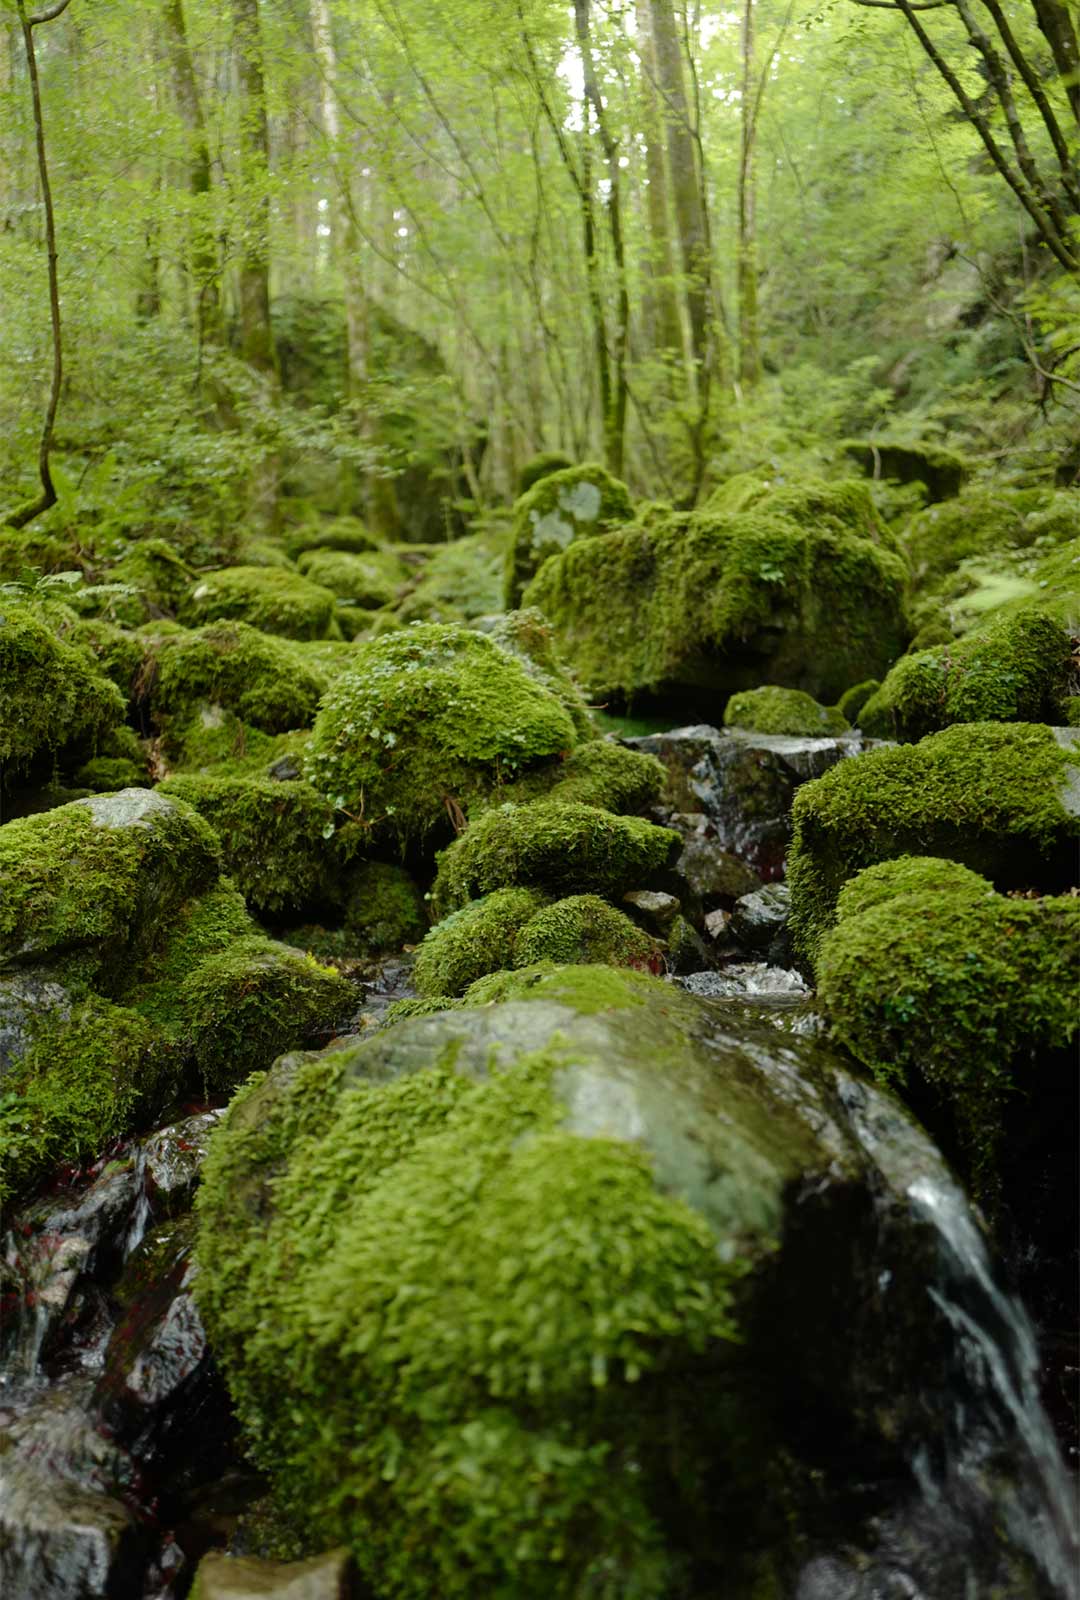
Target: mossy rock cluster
(559, 508)
(55, 701)
(367, 581)
(1000, 798)
(264, 681)
(784, 711)
(384, 909)
(985, 521)
(803, 591)
(272, 599)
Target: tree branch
(49, 14)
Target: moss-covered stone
(942, 471)
(843, 505)
(120, 654)
(384, 909)
(478, 938)
(721, 602)
(268, 598)
(458, 581)
(527, 635)
(264, 681)
(337, 533)
(588, 990)
(985, 520)
(1070, 711)
(88, 1073)
(430, 719)
(53, 695)
(106, 774)
(367, 581)
(553, 846)
(907, 875)
(582, 930)
(1011, 671)
(1001, 798)
(599, 773)
(852, 700)
(275, 836)
(945, 983)
(540, 466)
(774, 710)
(160, 575)
(94, 881)
(561, 507)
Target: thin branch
(1038, 94)
(48, 15)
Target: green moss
(589, 990)
(88, 1074)
(237, 1010)
(576, 503)
(774, 710)
(428, 719)
(740, 492)
(941, 470)
(907, 875)
(600, 773)
(203, 926)
(53, 695)
(119, 653)
(368, 581)
(400, 1009)
(852, 700)
(554, 847)
(384, 909)
(339, 533)
(484, 1426)
(459, 581)
(527, 635)
(540, 466)
(1012, 671)
(99, 877)
(106, 774)
(719, 602)
(954, 990)
(582, 930)
(268, 598)
(843, 506)
(154, 568)
(479, 938)
(989, 795)
(1070, 711)
(985, 520)
(274, 835)
(264, 681)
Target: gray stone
(759, 919)
(26, 999)
(656, 910)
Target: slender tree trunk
(203, 263)
(47, 497)
(256, 334)
(1059, 26)
(747, 270)
(661, 308)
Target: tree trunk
(202, 251)
(747, 272)
(256, 334)
(661, 308)
(1059, 29)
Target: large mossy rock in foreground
(558, 1299)
(427, 720)
(720, 602)
(1001, 798)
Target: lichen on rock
(561, 507)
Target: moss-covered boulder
(478, 938)
(527, 635)
(583, 929)
(367, 581)
(599, 773)
(941, 471)
(987, 520)
(427, 722)
(1001, 798)
(265, 682)
(552, 846)
(940, 985)
(336, 533)
(54, 697)
(384, 908)
(95, 881)
(774, 710)
(633, 1255)
(157, 572)
(561, 507)
(275, 836)
(722, 602)
(540, 466)
(1011, 671)
(271, 599)
(852, 700)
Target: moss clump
(203, 926)
(237, 1010)
(106, 774)
(119, 653)
(458, 581)
(1012, 671)
(428, 719)
(953, 986)
(600, 773)
(987, 520)
(582, 930)
(99, 877)
(384, 909)
(540, 466)
(720, 602)
(589, 990)
(368, 581)
(852, 700)
(943, 472)
(482, 1447)
(262, 681)
(1070, 711)
(527, 635)
(843, 506)
(479, 938)
(53, 695)
(554, 847)
(274, 835)
(268, 598)
(576, 503)
(340, 533)
(160, 575)
(907, 875)
(88, 1072)
(990, 795)
(773, 710)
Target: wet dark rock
(713, 874)
(60, 1542)
(741, 980)
(652, 908)
(744, 782)
(171, 1159)
(759, 922)
(286, 769)
(325, 1577)
(687, 950)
